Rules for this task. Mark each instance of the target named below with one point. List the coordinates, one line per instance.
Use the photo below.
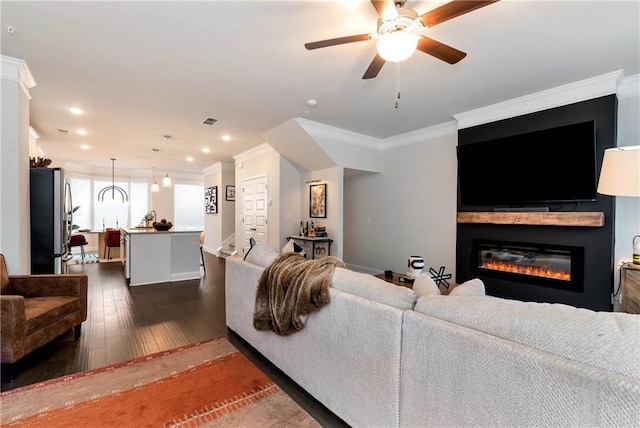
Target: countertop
(148, 230)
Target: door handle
(253, 228)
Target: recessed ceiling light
(75, 110)
(226, 137)
(84, 146)
(189, 159)
(81, 132)
(206, 150)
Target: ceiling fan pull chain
(397, 83)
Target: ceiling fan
(397, 32)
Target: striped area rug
(89, 258)
(208, 384)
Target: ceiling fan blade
(440, 50)
(385, 8)
(337, 41)
(374, 67)
(451, 10)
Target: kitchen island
(153, 256)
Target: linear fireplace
(555, 266)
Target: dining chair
(111, 239)
(78, 240)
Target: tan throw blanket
(290, 288)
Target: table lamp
(620, 176)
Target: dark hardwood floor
(127, 322)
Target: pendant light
(166, 181)
(154, 187)
(113, 188)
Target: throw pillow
(424, 285)
(261, 254)
(473, 287)
(293, 247)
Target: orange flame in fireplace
(526, 270)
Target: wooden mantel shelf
(582, 219)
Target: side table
(630, 299)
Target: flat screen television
(551, 165)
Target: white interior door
(254, 210)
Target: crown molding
(605, 84)
(630, 87)
(420, 135)
(33, 133)
(17, 70)
(218, 166)
(212, 169)
(317, 129)
(260, 150)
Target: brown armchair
(36, 309)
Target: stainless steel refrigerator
(50, 219)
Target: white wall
(262, 160)
(228, 210)
(333, 178)
(15, 228)
(220, 226)
(290, 190)
(627, 207)
(407, 209)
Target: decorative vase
(415, 264)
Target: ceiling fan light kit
(397, 32)
(397, 46)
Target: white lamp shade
(154, 187)
(397, 46)
(166, 181)
(620, 173)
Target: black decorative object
(211, 200)
(440, 277)
(388, 274)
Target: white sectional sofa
(377, 356)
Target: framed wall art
(211, 200)
(231, 193)
(318, 200)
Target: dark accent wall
(597, 241)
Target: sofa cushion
(473, 287)
(424, 285)
(577, 334)
(261, 254)
(293, 247)
(40, 311)
(372, 288)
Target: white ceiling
(142, 70)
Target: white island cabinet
(152, 257)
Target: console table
(313, 241)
